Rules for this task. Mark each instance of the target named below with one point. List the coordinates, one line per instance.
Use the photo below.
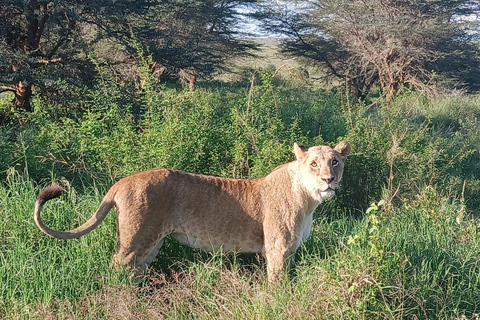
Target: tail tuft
(50, 192)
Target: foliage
(46, 48)
(389, 43)
(409, 145)
(193, 36)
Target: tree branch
(7, 88)
(48, 61)
(41, 23)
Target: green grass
(37, 268)
(417, 261)
(416, 256)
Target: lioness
(271, 215)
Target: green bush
(401, 149)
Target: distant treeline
(54, 49)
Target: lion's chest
(307, 227)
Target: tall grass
(412, 260)
(37, 268)
(413, 255)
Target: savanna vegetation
(400, 240)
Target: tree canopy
(53, 46)
(392, 43)
(48, 44)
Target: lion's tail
(55, 191)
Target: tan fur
(271, 215)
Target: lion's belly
(225, 242)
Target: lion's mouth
(327, 193)
(328, 189)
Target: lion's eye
(314, 164)
(334, 163)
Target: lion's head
(321, 168)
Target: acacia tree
(46, 44)
(185, 38)
(37, 41)
(392, 43)
(193, 38)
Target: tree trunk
(193, 82)
(23, 95)
(188, 75)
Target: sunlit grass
(418, 261)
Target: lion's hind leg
(136, 255)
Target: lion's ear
(300, 152)
(343, 148)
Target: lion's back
(202, 211)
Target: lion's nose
(328, 179)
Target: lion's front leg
(279, 250)
(277, 262)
